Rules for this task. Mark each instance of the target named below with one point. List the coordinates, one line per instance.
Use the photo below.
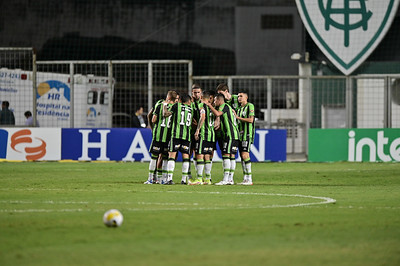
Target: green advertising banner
(354, 145)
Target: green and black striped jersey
(228, 122)
(162, 126)
(181, 121)
(246, 129)
(207, 129)
(234, 102)
(219, 134)
(196, 106)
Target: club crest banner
(347, 31)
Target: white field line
(51, 202)
(55, 189)
(363, 207)
(172, 206)
(42, 210)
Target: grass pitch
(294, 214)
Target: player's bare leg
(207, 169)
(158, 175)
(199, 170)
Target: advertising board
(354, 145)
(111, 144)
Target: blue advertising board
(132, 144)
(3, 143)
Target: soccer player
(196, 101)
(161, 137)
(216, 126)
(158, 174)
(197, 105)
(245, 116)
(204, 139)
(231, 99)
(231, 137)
(181, 119)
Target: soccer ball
(113, 218)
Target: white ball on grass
(113, 218)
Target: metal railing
(298, 103)
(87, 93)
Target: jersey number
(188, 119)
(168, 122)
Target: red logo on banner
(24, 136)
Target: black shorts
(158, 147)
(204, 147)
(220, 142)
(181, 145)
(230, 146)
(193, 143)
(244, 145)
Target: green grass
(51, 214)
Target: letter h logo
(86, 145)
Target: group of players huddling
(194, 125)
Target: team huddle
(194, 125)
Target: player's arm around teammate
(231, 99)
(160, 137)
(231, 137)
(206, 140)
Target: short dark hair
(6, 103)
(185, 98)
(244, 92)
(28, 114)
(212, 93)
(220, 95)
(206, 94)
(222, 87)
(196, 86)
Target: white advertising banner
(28, 144)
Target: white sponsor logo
(375, 147)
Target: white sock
(200, 169)
(207, 169)
(159, 174)
(152, 168)
(171, 168)
(227, 167)
(185, 169)
(165, 169)
(248, 170)
(232, 170)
